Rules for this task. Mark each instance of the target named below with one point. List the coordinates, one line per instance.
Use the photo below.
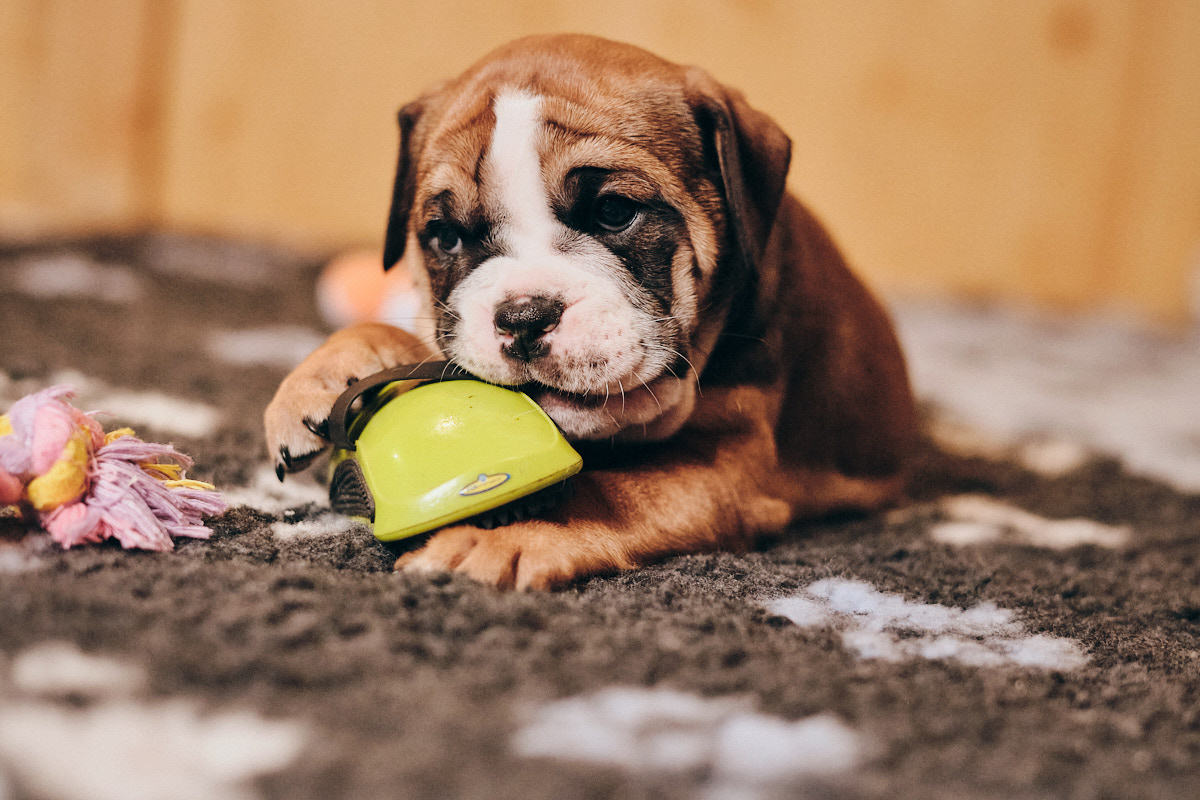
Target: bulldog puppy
(610, 232)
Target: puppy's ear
(753, 154)
(405, 185)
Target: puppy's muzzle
(524, 325)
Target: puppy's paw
(297, 419)
(525, 555)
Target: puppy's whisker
(656, 402)
(427, 359)
(396, 320)
(450, 312)
(686, 360)
(676, 355)
(746, 336)
(429, 341)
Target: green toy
(421, 446)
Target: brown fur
(803, 406)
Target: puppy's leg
(297, 418)
(718, 485)
(707, 488)
(623, 520)
(616, 521)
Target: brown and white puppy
(610, 232)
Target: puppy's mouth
(607, 413)
(636, 407)
(544, 395)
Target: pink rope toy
(83, 486)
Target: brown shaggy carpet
(1029, 626)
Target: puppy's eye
(445, 238)
(615, 213)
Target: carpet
(1027, 626)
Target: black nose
(527, 320)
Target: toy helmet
(418, 447)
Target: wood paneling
(1044, 150)
(1151, 245)
(77, 104)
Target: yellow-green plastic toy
(419, 447)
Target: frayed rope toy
(82, 486)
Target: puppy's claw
(290, 463)
(318, 428)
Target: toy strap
(425, 371)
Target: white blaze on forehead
(528, 223)
(599, 325)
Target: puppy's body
(609, 231)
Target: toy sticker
(484, 483)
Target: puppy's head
(583, 216)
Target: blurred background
(1034, 151)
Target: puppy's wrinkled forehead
(511, 121)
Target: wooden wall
(1044, 150)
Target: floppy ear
(753, 155)
(405, 185)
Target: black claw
(320, 428)
(291, 463)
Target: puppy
(610, 232)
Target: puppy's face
(558, 261)
(566, 214)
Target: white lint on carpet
(74, 275)
(1022, 378)
(976, 519)
(118, 745)
(275, 346)
(24, 554)
(60, 669)
(661, 730)
(875, 624)
(326, 524)
(266, 493)
(163, 413)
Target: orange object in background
(353, 287)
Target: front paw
(297, 419)
(534, 554)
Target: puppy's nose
(526, 321)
